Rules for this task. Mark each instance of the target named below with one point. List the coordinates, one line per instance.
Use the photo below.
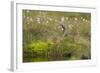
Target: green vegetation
(55, 36)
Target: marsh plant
(56, 36)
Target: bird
(64, 27)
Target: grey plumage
(64, 27)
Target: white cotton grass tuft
(83, 19)
(27, 11)
(50, 19)
(86, 20)
(31, 19)
(47, 21)
(67, 18)
(38, 20)
(28, 17)
(75, 18)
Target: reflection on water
(38, 59)
(41, 59)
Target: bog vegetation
(55, 36)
